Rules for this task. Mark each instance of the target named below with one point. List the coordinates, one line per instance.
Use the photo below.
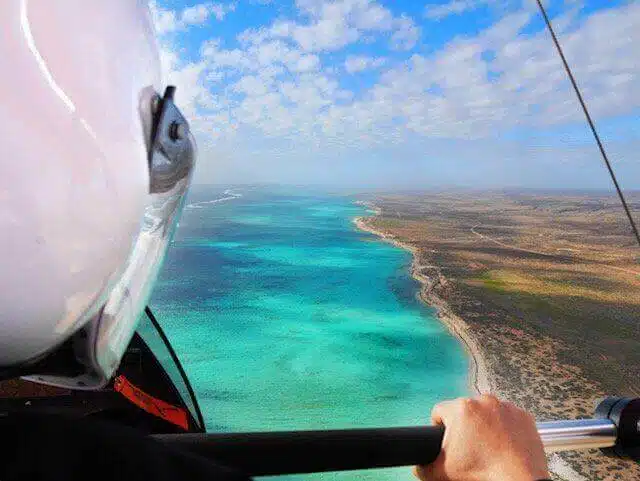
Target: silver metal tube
(577, 434)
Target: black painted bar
(263, 454)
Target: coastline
(509, 357)
(479, 375)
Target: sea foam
(228, 195)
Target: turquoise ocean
(287, 317)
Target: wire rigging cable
(589, 120)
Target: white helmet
(94, 169)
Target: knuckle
(468, 406)
(490, 400)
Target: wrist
(544, 476)
(524, 474)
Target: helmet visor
(100, 345)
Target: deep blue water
(287, 317)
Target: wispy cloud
(358, 63)
(330, 26)
(455, 7)
(281, 85)
(167, 21)
(438, 11)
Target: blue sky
(404, 93)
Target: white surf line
(230, 195)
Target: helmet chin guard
(92, 355)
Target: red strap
(154, 406)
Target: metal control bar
(581, 434)
(260, 454)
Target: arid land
(542, 288)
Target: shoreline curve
(479, 377)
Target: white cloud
(406, 34)
(220, 58)
(195, 15)
(328, 33)
(331, 25)
(372, 16)
(252, 86)
(454, 7)
(358, 63)
(168, 21)
(273, 56)
(220, 10)
(306, 63)
(458, 7)
(278, 86)
(164, 20)
(458, 93)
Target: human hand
(486, 439)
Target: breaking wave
(228, 195)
